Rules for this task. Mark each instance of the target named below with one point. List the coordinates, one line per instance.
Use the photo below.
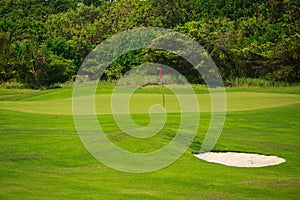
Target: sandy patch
(236, 159)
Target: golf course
(42, 156)
(149, 99)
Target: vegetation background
(43, 42)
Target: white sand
(240, 159)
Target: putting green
(140, 103)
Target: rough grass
(42, 157)
(256, 82)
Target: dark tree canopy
(45, 41)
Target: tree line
(43, 42)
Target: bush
(254, 82)
(13, 85)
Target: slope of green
(140, 103)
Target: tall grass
(70, 84)
(140, 80)
(13, 85)
(255, 82)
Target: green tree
(6, 69)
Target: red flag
(160, 73)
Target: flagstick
(163, 93)
(162, 85)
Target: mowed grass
(42, 157)
(59, 102)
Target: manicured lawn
(42, 157)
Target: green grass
(42, 156)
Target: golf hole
(236, 159)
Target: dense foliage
(45, 41)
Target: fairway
(42, 156)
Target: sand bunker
(240, 159)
